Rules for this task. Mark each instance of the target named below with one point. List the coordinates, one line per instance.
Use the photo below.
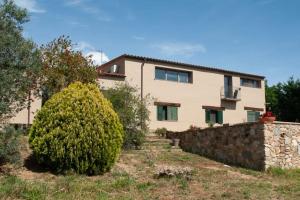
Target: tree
(132, 112)
(62, 66)
(284, 99)
(19, 60)
(77, 129)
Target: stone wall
(282, 145)
(251, 145)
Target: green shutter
(251, 116)
(257, 115)
(160, 113)
(220, 117)
(174, 113)
(207, 116)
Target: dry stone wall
(282, 145)
(251, 145)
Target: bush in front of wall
(161, 132)
(77, 129)
(9, 145)
(133, 113)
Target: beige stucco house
(183, 94)
(186, 94)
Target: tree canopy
(62, 65)
(19, 60)
(284, 100)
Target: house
(26, 115)
(186, 94)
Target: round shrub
(77, 129)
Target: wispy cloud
(135, 37)
(84, 46)
(98, 57)
(265, 2)
(90, 9)
(73, 2)
(184, 49)
(30, 5)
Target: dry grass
(133, 178)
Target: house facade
(187, 95)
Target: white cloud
(90, 9)
(89, 50)
(138, 37)
(184, 49)
(84, 46)
(98, 57)
(30, 5)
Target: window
(167, 113)
(183, 77)
(160, 74)
(214, 116)
(250, 83)
(252, 116)
(173, 75)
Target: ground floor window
(252, 116)
(167, 113)
(214, 116)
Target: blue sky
(254, 36)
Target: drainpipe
(28, 108)
(142, 90)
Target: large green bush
(77, 129)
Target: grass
(133, 178)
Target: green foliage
(14, 188)
(9, 145)
(287, 173)
(77, 129)
(132, 112)
(284, 100)
(19, 60)
(62, 66)
(161, 132)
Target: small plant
(161, 132)
(194, 128)
(9, 145)
(172, 171)
(210, 124)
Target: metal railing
(231, 93)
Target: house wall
(22, 116)
(205, 90)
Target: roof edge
(212, 69)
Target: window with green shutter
(220, 117)
(167, 113)
(214, 116)
(252, 116)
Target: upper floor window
(250, 83)
(173, 75)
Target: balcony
(231, 93)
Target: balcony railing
(231, 93)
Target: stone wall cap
(291, 123)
